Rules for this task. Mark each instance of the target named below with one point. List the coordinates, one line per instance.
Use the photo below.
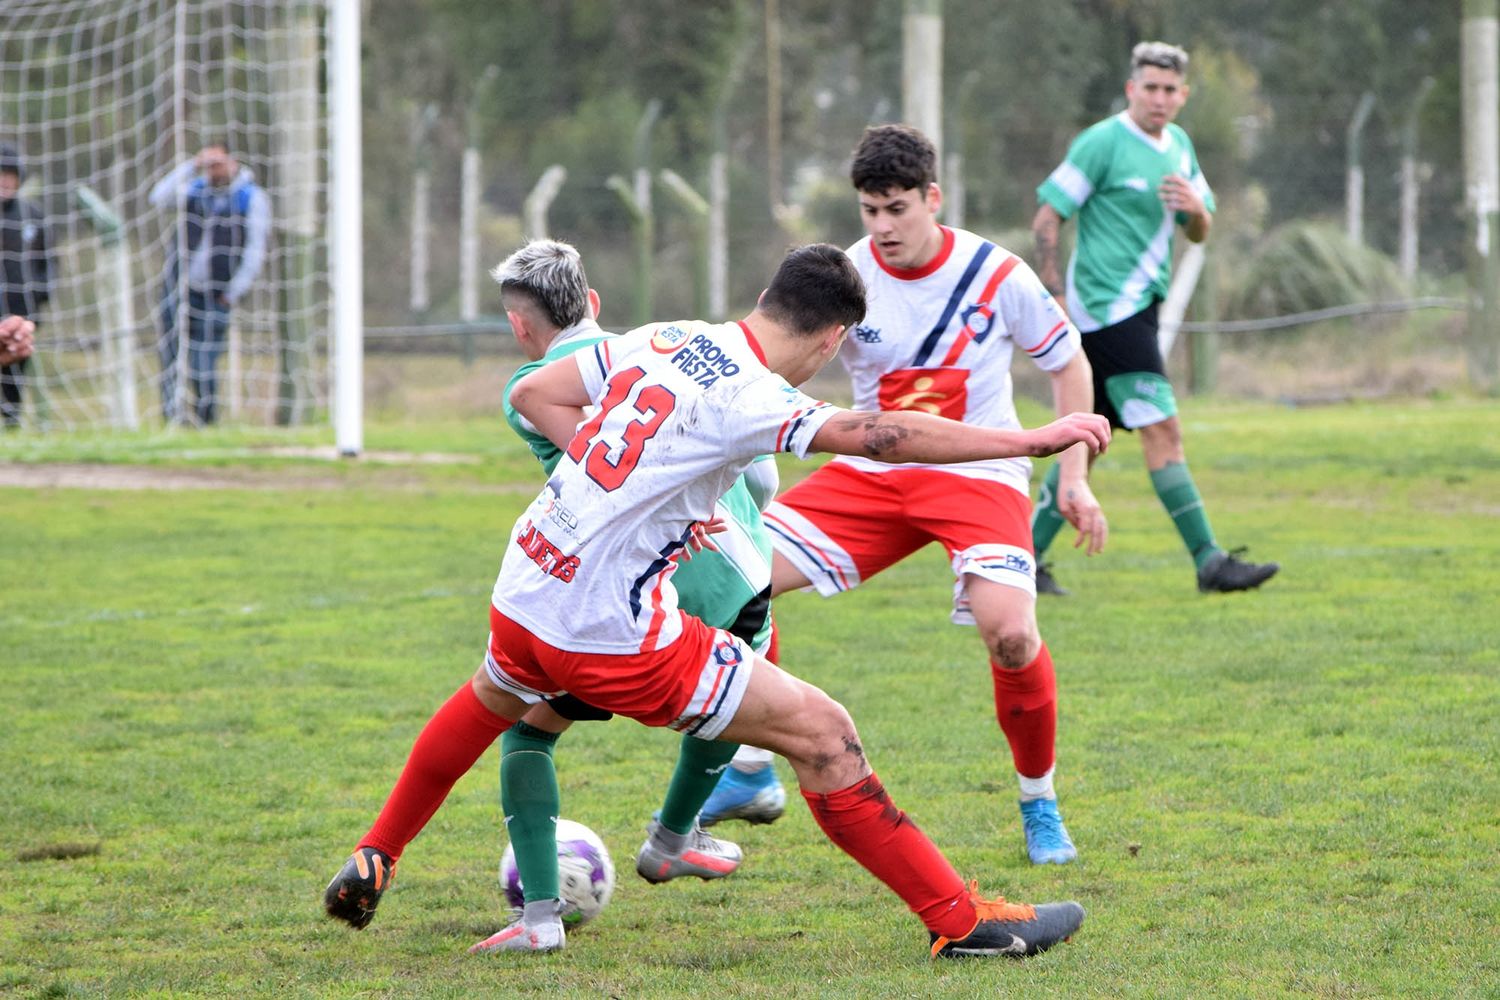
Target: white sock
(1037, 788)
(748, 759)
(541, 911)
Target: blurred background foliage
(1274, 85)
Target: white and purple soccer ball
(585, 874)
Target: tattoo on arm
(881, 436)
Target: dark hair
(893, 157)
(219, 140)
(815, 287)
(10, 160)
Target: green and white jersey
(712, 586)
(1122, 258)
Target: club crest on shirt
(867, 334)
(977, 319)
(667, 339)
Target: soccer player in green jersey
(1131, 180)
(552, 312)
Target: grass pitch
(1294, 792)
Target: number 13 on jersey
(642, 411)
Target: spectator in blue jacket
(224, 225)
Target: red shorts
(842, 525)
(693, 686)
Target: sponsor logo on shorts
(1146, 387)
(727, 654)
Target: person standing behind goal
(1131, 180)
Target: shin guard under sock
(1026, 707)
(531, 801)
(700, 765)
(450, 743)
(864, 822)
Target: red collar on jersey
(913, 273)
(754, 344)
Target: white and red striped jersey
(683, 408)
(939, 338)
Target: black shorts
(1124, 348)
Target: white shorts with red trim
(694, 686)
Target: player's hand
(1076, 502)
(1177, 195)
(16, 343)
(698, 537)
(1075, 428)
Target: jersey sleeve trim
(796, 433)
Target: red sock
(865, 823)
(450, 743)
(773, 645)
(1026, 705)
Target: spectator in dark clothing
(25, 271)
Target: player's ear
(934, 198)
(518, 327)
(593, 304)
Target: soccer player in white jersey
(1131, 180)
(946, 310)
(682, 410)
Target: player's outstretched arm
(552, 398)
(907, 436)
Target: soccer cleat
(355, 891)
(547, 936)
(756, 797)
(1047, 584)
(701, 855)
(1012, 929)
(1047, 840)
(1224, 572)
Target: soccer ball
(585, 874)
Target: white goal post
(101, 100)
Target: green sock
(1174, 484)
(1046, 522)
(700, 765)
(529, 796)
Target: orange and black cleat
(355, 891)
(1012, 929)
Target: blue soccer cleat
(756, 797)
(1047, 840)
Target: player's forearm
(1073, 392)
(1046, 229)
(1197, 226)
(907, 436)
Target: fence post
(1481, 94)
(1410, 182)
(1354, 184)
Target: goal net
(167, 291)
